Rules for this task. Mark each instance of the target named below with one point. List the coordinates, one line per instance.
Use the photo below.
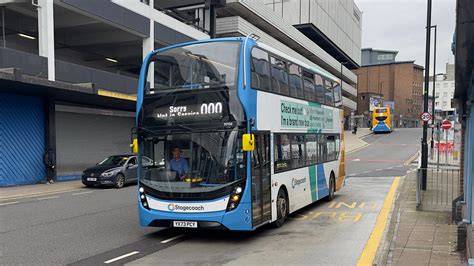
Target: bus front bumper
(238, 219)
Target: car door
(131, 168)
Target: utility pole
(424, 144)
(434, 89)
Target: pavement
(7, 193)
(354, 142)
(419, 237)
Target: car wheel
(282, 208)
(332, 188)
(119, 181)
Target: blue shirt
(181, 166)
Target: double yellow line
(370, 250)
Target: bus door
(261, 184)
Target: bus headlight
(143, 200)
(235, 197)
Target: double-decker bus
(382, 120)
(239, 135)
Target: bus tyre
(282, 208)
(332, 188)
(119, 181)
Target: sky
(400, 25)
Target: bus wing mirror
(134, 146)
(248, 142)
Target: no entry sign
(446, 124)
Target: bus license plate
(185, 224)
(91, 179)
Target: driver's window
(132, 161)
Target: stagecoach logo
(192, 110)
(296, 182)
(184, 208)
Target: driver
(178, 164)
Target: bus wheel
(119, 181)
(332, 188)
(282, 208)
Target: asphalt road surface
(95, 226)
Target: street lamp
(424, 144)
(434, 88)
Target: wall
(339, 20)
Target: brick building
(400, 82)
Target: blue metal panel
(470, 167)
(381, 127)
(21, 140)
(323, 189)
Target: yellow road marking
(368, 254)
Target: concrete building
(444, 92)
(325, 33)
(69, 68)
(397, 82)
(68, 75)
(464, 102)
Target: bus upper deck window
(328, 93)
(260, 70)
(319, 88)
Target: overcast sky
(400, 25)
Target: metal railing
(442, 185)
(442, 188)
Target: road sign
(446, 125)
(425, 117)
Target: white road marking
(378, 170)
(171, 239)
(356, 160)
(365, 172)
(390, 167)
(45, 198)
(9, 203)
(82, 193)
(352, 174)
(121, 257)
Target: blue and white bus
(255, 135)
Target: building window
(445, 85)
(384, 57)
(437, 85)
(437, 94)
(445, 94)
(452, 94)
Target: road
(98, 225)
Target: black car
(116, 170)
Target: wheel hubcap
(282, 206)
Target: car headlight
(109, 173)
